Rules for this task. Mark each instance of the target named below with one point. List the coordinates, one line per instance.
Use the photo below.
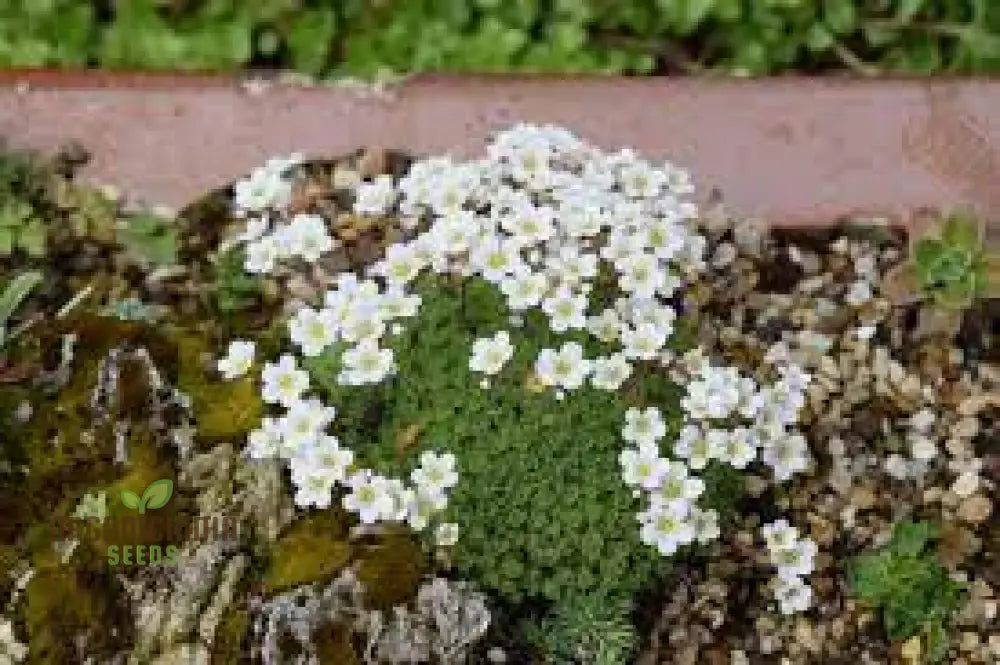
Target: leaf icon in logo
(130, 500)
(155, 496)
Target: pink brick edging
(790, 150)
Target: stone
(975, 509)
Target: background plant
(330, 37)
(905, 580)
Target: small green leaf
(31, 239)
(937, 642)
(962, 233)
(908, 9)
(910, 538)
(157, 494)
(130, 499)
(926, 252)
(840, 15)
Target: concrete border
(789, 150)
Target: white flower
(641, 275)
(361, 320)
(565, 368)
(705, 523)
(323, 452)
(283, 382)
(369, 497)
(238, 359)
(524, 288)
(666, 527)
(611, 372)
(264, 188)
(640, 181)
(796, 560)
(740, 448)
(261, 255)
(566, 310)
(402, 263)
(254, 229)
(530, 224)
(714, 394)
(606, 326)
(644, 426)
(373, 198)
(677, 486)
(423, 505)
(313, 330)
(644, 341)
(396, 303)
(489, 354)
(313, 486)
(692, 445)
(366, 363)
(570, 266)
(787, 455)
(793, 595)
(496, 258)
(303, 423)
(436, 473)
(643, 467)
(265, 441)
(779, 535)
(664, 238)
(309, 237)
(446, 534)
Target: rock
(912, 650)
(975, 509)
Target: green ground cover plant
(358, 37)
(907, 582)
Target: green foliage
(149, 239)
(588, 632)
(233, 289)
(951, 266)
(541, 503)
(12, 296)
(908, 583)
(357, 37)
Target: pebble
(975, 509)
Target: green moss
(227, 410)
(229, 633)
(391, 570)
(315, 549)
(334, 645)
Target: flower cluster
(545, 218)
(732, 419)
(272, 233)
(794, 558)
(672, 518)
